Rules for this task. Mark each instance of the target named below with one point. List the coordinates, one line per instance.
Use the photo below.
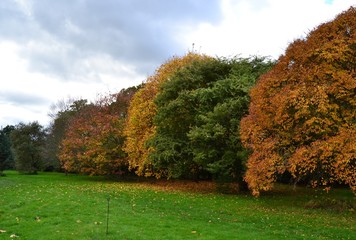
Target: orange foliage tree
(302, 116)
(94, 138)
(139, 127)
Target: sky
(54, 50)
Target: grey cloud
(7, 120)
(137, 32)
(13, 23)
(22, 99)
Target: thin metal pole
(107, 216)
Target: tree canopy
(61, 114)
(94, 137)
(198, 115)
(139, 127)
(6, 158)
(27, 143)
(302, 117)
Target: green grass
(55, 206)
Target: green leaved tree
(6, 158)
(198, 114)
(139, 128)
(27, 142)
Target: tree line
(244, 120)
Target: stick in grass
(107, 216)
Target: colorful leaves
(94, 137)
(304, 109)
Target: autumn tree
(198, 114)
(94, 138)
(27, 143)
(61, 114)
(139, 127)
(302, 117)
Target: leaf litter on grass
(149, 206)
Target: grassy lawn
(55, 206)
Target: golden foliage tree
(139, 127)
(302, 116)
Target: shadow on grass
(331, 204)
(338, 199)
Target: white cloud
(26, 95)
(25, 6)
(262, 27)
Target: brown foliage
(94, 138)
(302, 116)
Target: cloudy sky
(52, 50)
